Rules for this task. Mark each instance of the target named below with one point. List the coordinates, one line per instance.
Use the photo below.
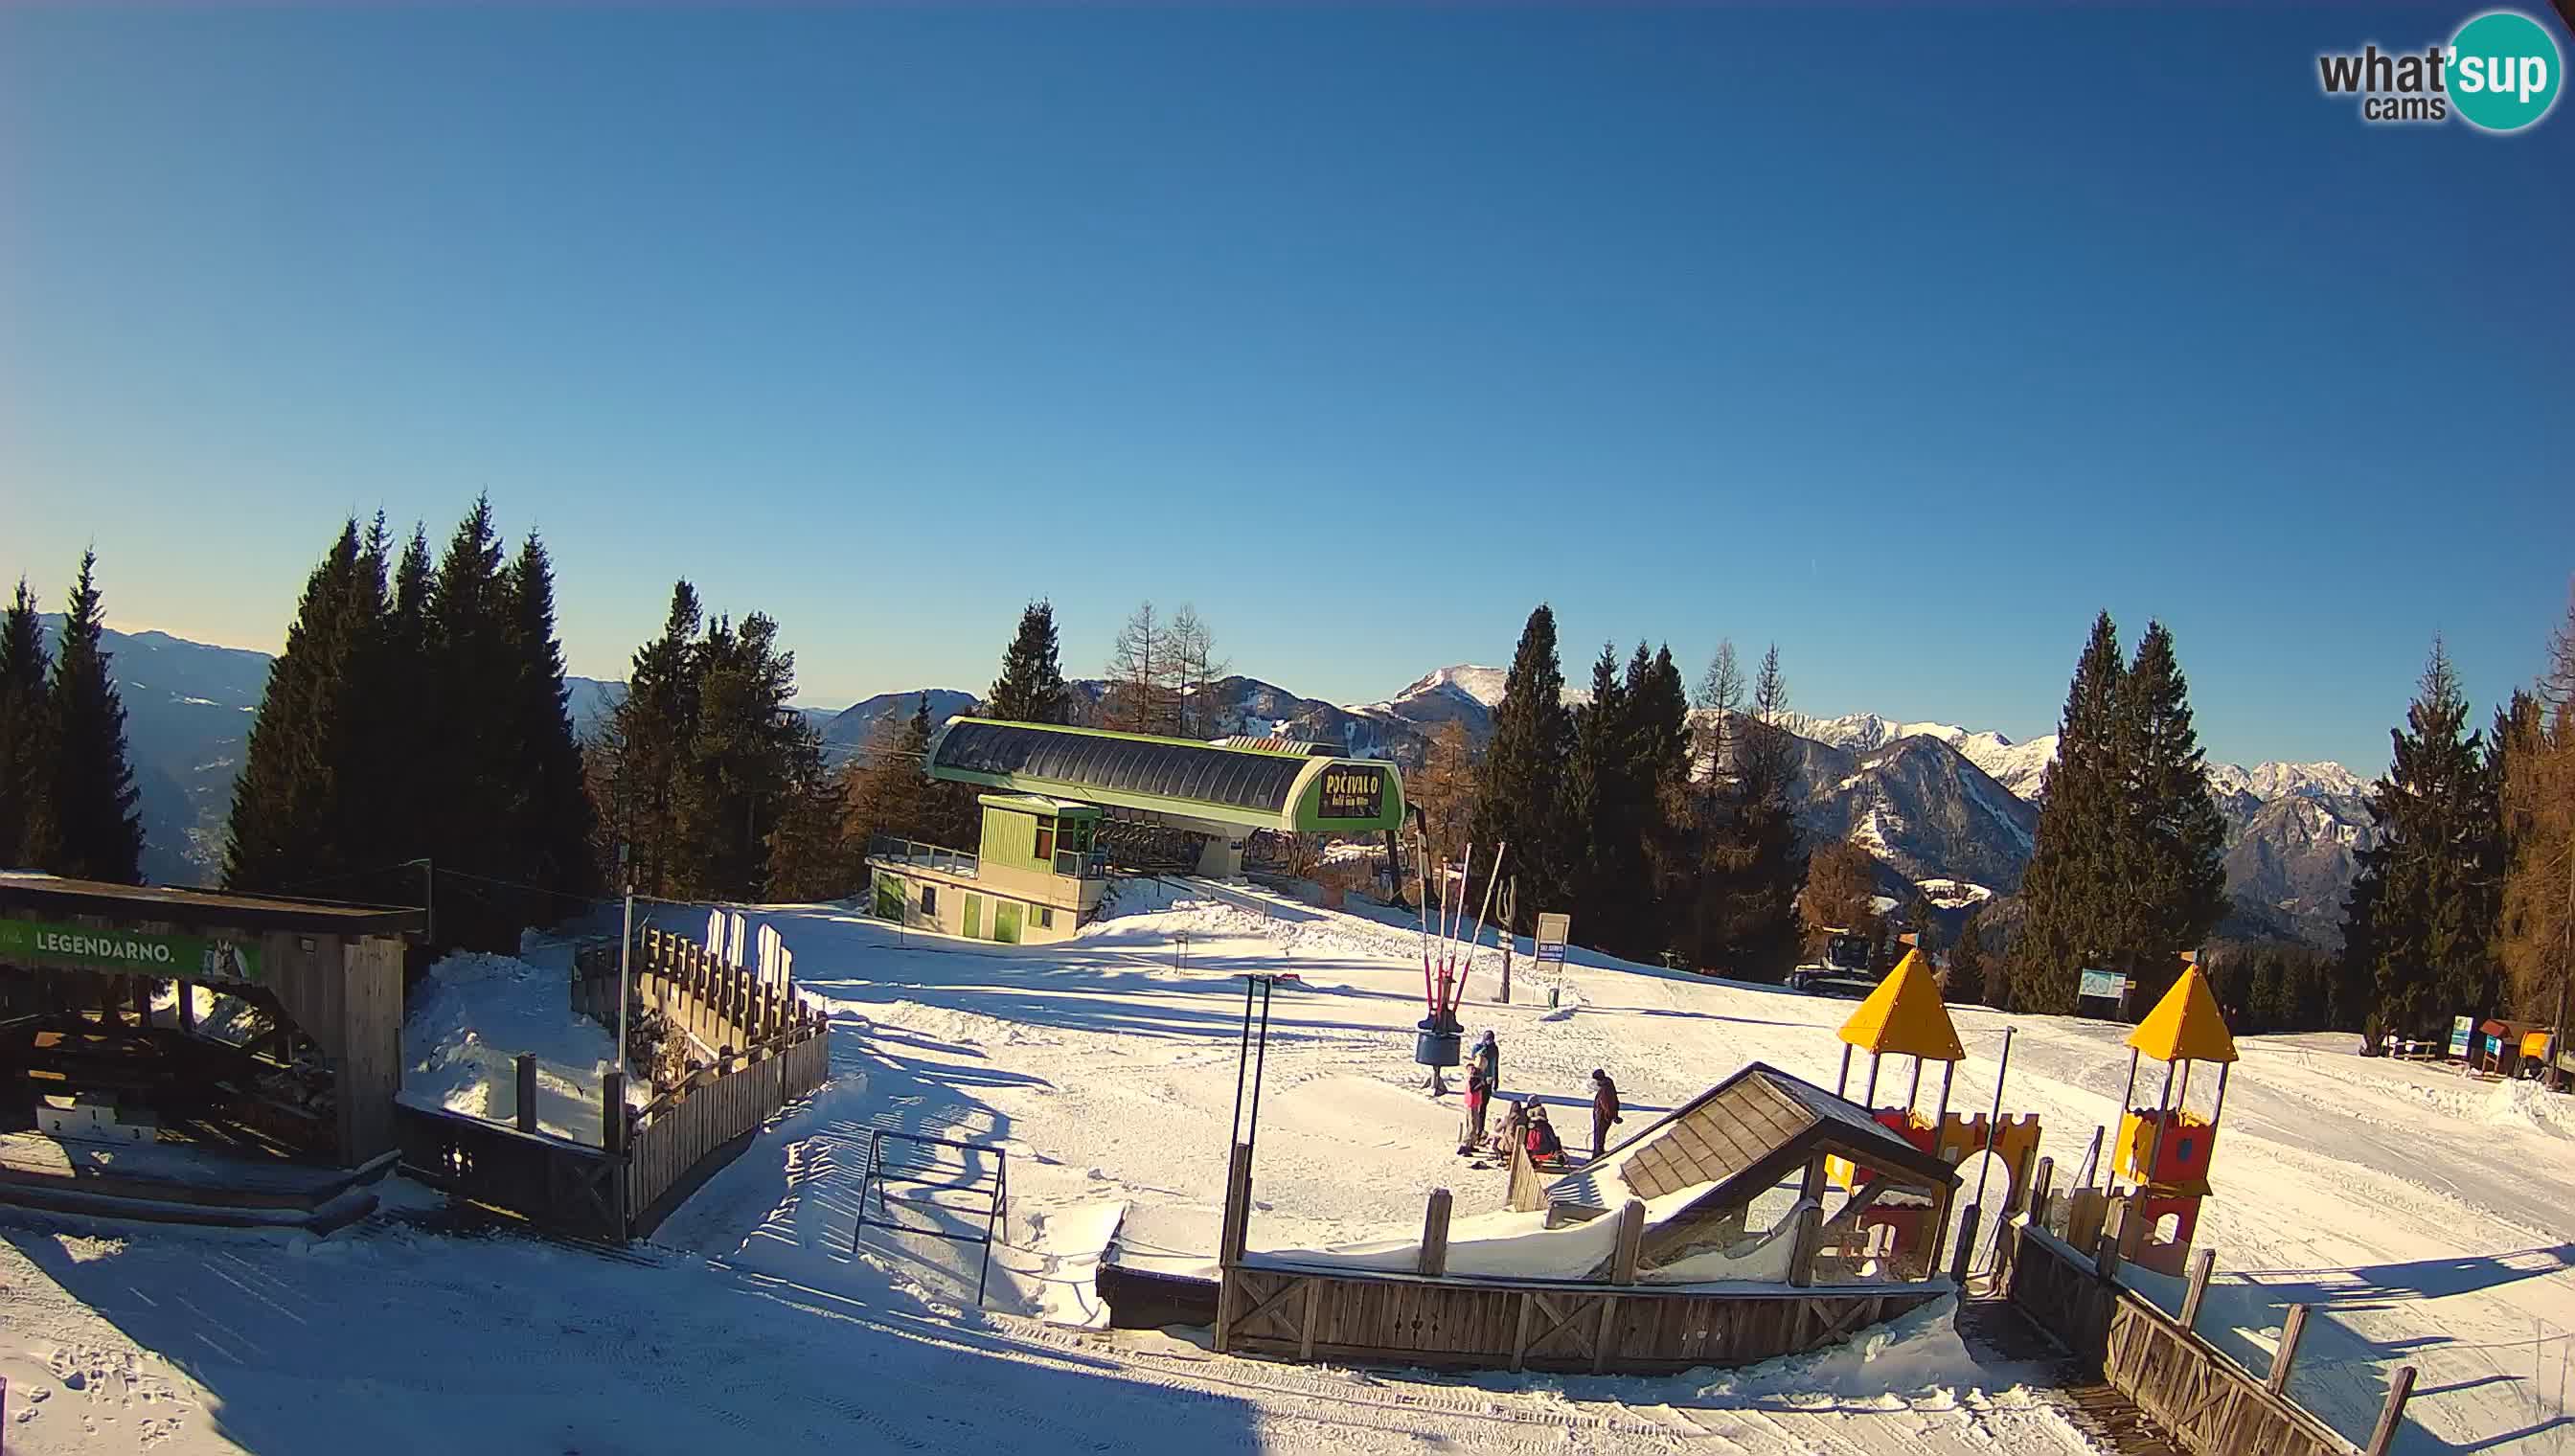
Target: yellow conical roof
(1904, 1017)
(2185, 1024)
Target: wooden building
(85, 1036)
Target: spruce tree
(1719, 700)
(1030, 687)
(1601, 816)
(26, 752)
(1659, 772)
(2429, 890)
(2168, 882)
(2068, 887)
(1520, 786)
(1922, 918)
(554, 820)
(808, 859)
(644, 750)
(1966, 984)
(97, 833)
(290, 822)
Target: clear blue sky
(1906, 340)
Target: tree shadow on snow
(392, 1342)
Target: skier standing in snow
(1483, 1078)
(1605, 1109)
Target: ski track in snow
(2430, 1219)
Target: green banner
(183, 958)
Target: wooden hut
(100, 1041)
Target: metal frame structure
(997, 1197)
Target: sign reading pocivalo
(181, 957)
(2104, 985)
(1552, 927)
(1351, 791)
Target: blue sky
(1906, 340)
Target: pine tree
(808, 859)
(1602, 815)
(1923, 919)
(2068, 887)
(2430, 890)
(1966, 984)
(1840, 894)
(887, 791)
(1520, 786)
(91, 800)
(2169, 884)
(644, 750)
(1030, 687)
(477, 778)
(739, 758)
(26, 751)
(1659, 755)
(1719, 701)
(1753, 929)
(291, 822)
(553, 818)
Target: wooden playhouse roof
(1906, 1016)
(195, 909)
(1739, 1137)
(2186, 1024)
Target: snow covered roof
(1735, 1140)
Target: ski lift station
(1055, 796)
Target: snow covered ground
(2432, 1219)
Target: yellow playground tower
(2165, 1150)
(1905, 1016)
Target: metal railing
(1078, 866)
(926, 856)
(931, 1166)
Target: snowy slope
(2427, 1218)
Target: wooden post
(526, 1092)
(144, 986)
(2391, 1415)
(2035, 1205)
(2288, 1354)
(187, 1007)
(1631, 1242)
(1810, 1223)
(1305, 1326)
(1229, 1240)
(1967, 1247)
(2105, 1249)
(612, 1112)
(2022, 1177)
(1434, 1259)
(2203, 1262)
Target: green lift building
(1039, 870)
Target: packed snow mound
(1921, 1353)
(472, 1019)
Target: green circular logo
(2505, 71)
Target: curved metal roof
(1233, 777)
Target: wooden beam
(2287, 1355)
(1305, 1326)
(2203, 1262)
(1630, 1240)
(1810, 1219)
(1434, 1258)
(527, 1110)
(1521, 1339)
(1601, 1335)
(2391, 1415)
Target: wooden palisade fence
(1429, 1317)
(2211, 1404)
(763, 1047)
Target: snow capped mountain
(1483, 685)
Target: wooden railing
(763, 1048)
(2194, 1391)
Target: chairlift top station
(1038, 871)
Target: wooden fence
(2208, 1403)
(1431, 1319)
(765, 1049)
(1411, 1320)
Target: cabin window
(1045, 918)
(930, 899)
(1046, 841)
